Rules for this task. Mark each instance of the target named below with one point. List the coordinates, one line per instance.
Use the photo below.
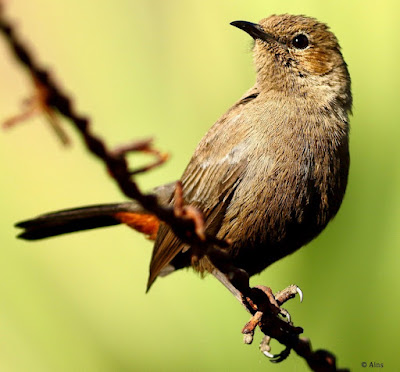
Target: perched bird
(270, 173)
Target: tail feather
(93, 216)
(77, 219)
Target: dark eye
(300, 41)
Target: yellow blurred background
(169, 69)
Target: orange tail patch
(144, 223)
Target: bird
(269, 175)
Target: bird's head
(297, 54)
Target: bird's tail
(94, 216)
(85, 218)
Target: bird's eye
(300, 41)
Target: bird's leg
(262, 311)
(259, 301)
(260, 318)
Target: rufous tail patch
(144, 223)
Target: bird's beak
(254, 30)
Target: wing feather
(209, 183)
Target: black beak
(254, 30)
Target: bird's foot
(261, 310)
(265, 348)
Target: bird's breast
(293, 186)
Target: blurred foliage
(170, 69)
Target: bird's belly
(257, 250)
(275, 224)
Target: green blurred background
(169, 69)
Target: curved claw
(274, 358)
(269, 355)
(300, 292)
(281, 356)
(287, 315)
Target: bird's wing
(209, 182)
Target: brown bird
(272, 171)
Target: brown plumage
(272, 171)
